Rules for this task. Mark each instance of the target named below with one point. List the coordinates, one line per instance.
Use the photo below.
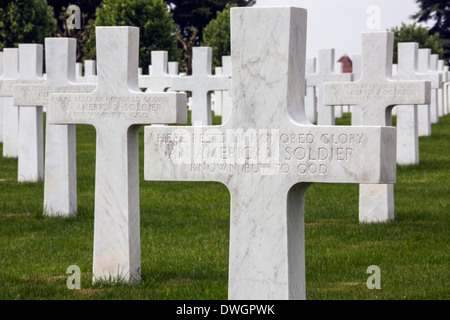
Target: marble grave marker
(60, 188)
(201, 83)
(31, 123)
(116, 109)
(376, 93)
(268, 153)
(10, 112)
(325, 73)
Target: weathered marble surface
(116, 109)
(268, 153)
(375, 93)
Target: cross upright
(407, 115)
(31, 131)
(375, 93)
(227, 99)
(268, 153)
(60, 188)
(10, 112)
(116, 109)
(200, 84)
(310, 101)
(325, 73)
(159, 80)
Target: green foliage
(437, 11)
(217, 35)
(25, 21)
(185, 235)
(198, 13)
(416, 33)
(157, 28)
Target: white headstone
(427, 112)
(10, 112)
(31, 131)
(268, 153)
(424, 66)
(434, 63)
(201, 83)
(375, 93)
(158, 80)
(60, 187)
(407, 115)
(311, 96)
(325, 73)
(116, 109)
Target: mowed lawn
(185, 233)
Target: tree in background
(191, 17)
(439, 12)
(157, 28)
(25, 21)
(217, 35)
(416, 33)
(196, 14)
(87, 8)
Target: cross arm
(315, 154)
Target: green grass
(185, 232)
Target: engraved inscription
(87, 107)
(7, 85)
(39, 94)
(258, 151)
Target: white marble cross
(407, 115)
(375, 93)
(116, 109)
(159, 80)
(60, 188)
(268, 153)
(31, 131)
(200, 84)
(434, 66)
(311, 96)
(10, 112)
(425, 67)
(325, 73)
